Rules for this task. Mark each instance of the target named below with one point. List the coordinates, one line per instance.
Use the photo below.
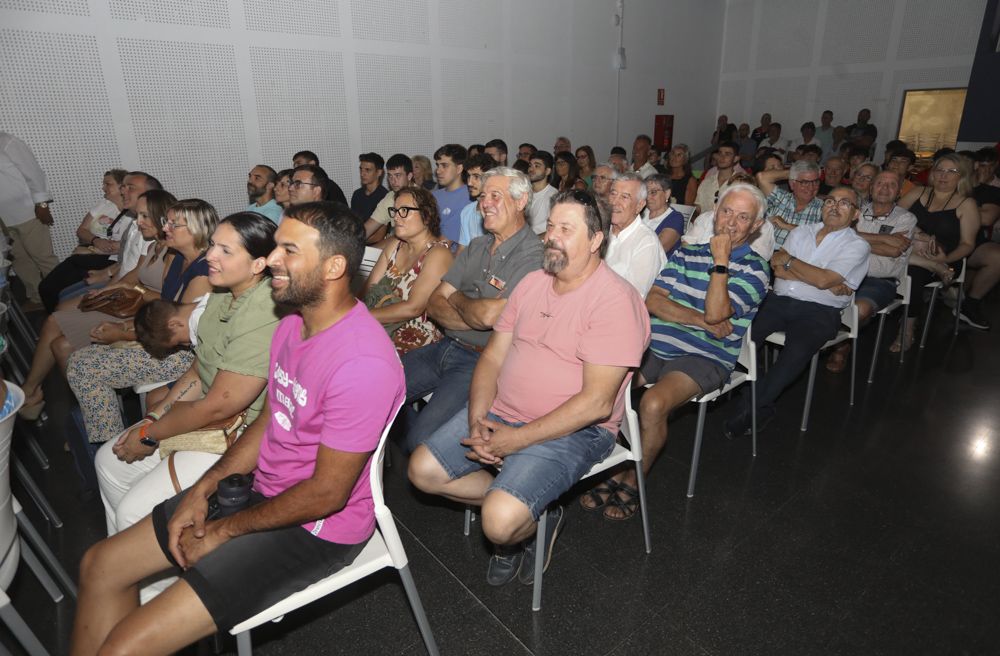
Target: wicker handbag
(213, 438)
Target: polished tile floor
(875, 532)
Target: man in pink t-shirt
(335, 383)
(547, 395)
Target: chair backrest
(382, 515)
(8, 523)
(368, 261)
(960, 278)
(630, 425)
(849, 317)
(905, 288)
(687, 211)
(748, 355)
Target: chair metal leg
(902, 334)
(38, 569)
(19, 628)
(696, 452)
(927, 321)
(36, 450)
(878, 343)
(753, 415)
(536, 594)
(26, 529)
(418, 611)
(640, 480)
(23, 325)
(854, 366)
(244, 647)
(809, 391)
(36, 494)
(468, 521)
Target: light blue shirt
(270, 209)
(472, 224)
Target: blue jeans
(535, 476)
(444, 368)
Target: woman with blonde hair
(423, 173)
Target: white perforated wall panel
(540, 27)
(845, 94)
(940, 29)
(784, 97)
(390, 20)
(54, 98)
(203, 13)
(788, 29)
(64, 7)
(312, 17)
(472, 99)
(195, 141)
(732, 96)
(471, 23)
(394, 104)
(739, 36)
(303, 108)
(856, 31)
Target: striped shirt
(686, 278)
(781, 202)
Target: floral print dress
(395, 287)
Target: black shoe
(972, 315)
(736, 427)
(553, 523)
(504, 564)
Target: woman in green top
(227, 377)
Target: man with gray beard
(547, 395)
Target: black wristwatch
(720, 268)
(145, 439)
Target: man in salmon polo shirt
(547, 394)
(335, 382)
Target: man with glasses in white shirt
(815, 274)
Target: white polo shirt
(842, 251)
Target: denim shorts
(877, 291)
(537, 475)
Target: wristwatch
(145, 439)
(720, 268)
(788, 265)
(44, 204)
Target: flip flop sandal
(627, 506)
(599, 495)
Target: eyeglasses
(948, 171)
(843, 203)
(295, 184)
(401, 212)
(810, 183)
(602, 177)
(863, 177)
(585, 198)
(173, 225)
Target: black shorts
(708, 374)
(253, 572)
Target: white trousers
(131, 491)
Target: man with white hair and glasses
(799, 205)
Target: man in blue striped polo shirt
(702, 304)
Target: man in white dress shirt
(634, 251)
(816, 272)
(24, 210)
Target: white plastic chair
(13, 545)
(687, 211)
(848, 319)
(368, 261)
(902, 301)
(620, 454)
(935, 287)
(384, 549)
(748, 360)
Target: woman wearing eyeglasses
(587, 161)
(409, 269)
(947, 221)
(172, 267)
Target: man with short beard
(727, 164)
(260, 191)
(468, 301)
(472, 220)
(547, 396)
(539, 173)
